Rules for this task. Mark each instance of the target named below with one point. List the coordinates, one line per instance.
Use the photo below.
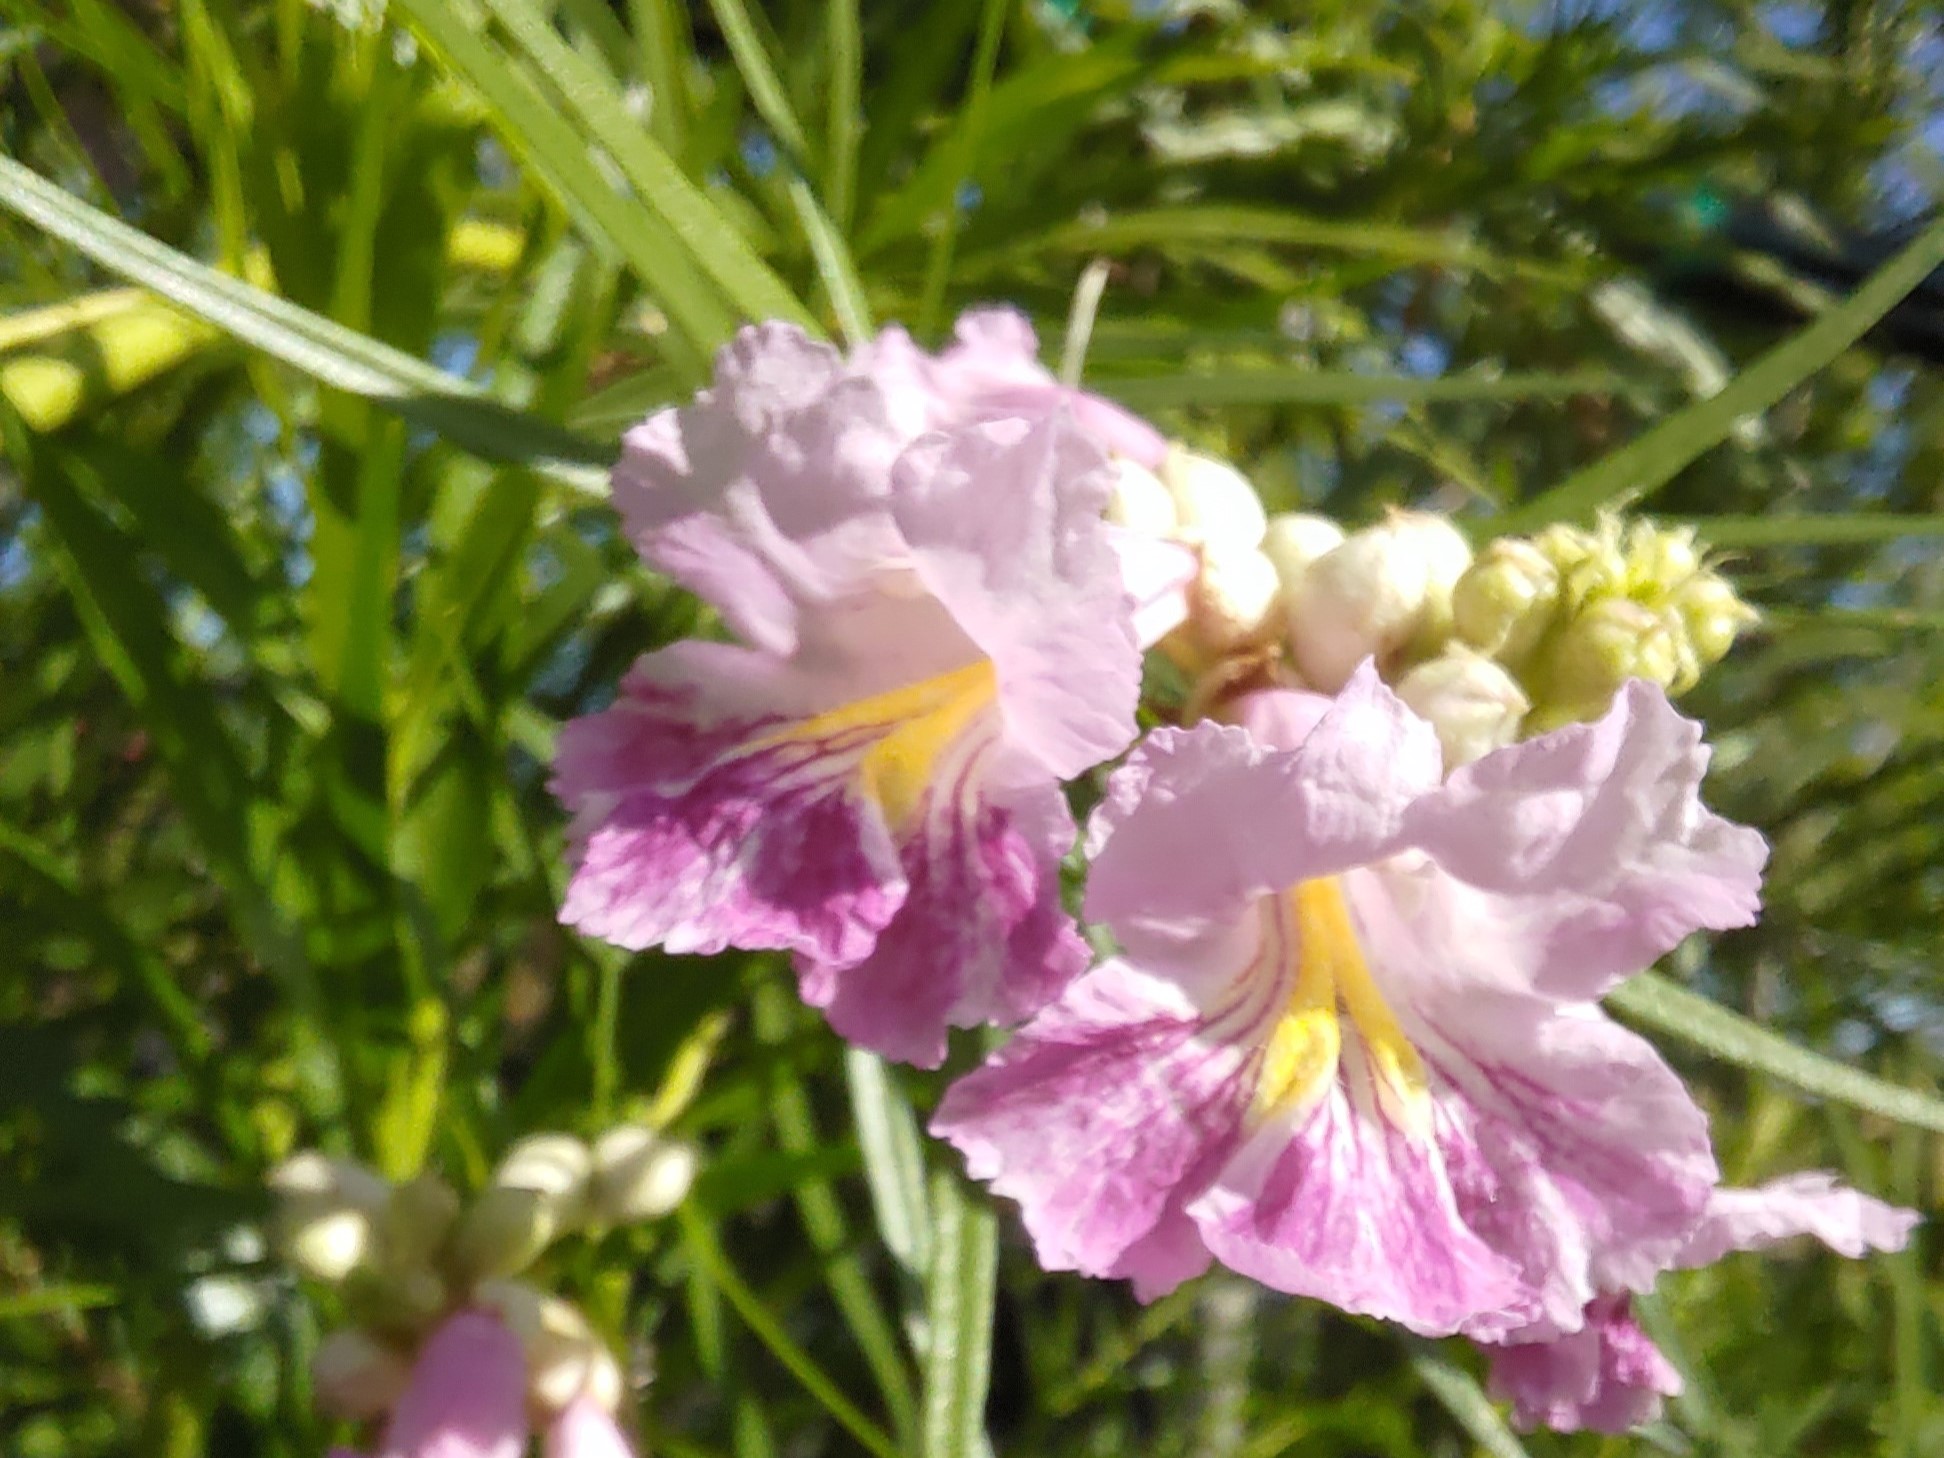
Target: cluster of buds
(1531, 634)
(407, 1256)
(1575, 614)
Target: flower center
(915, 723)
(1332, 979)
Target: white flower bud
(1232, 599)
(1214, 502)
(1384, 588)
(638, 1175)
(1295, 539)
(326, 1210)
(355, 1376)
(1505, 601)
(1140, 502)
(555, 1165)
(1474, 704)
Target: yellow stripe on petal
(1307, 1041)
(918, 721)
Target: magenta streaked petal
(1599, 833)
(1606, 1376)
(467, 1397)
(1334, 1200)
(981, 936)
(1812, 1203)
(1093, 1117)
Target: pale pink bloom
(584, 1429)
(1608, 1375)
(1352, 1046)
(467, 1396)
(934, 637)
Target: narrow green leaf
(721, 252)
(708, 1256)
(765, 86)
(1643, 466)
(342, 358)
(960, 160)
(958, 1320)
(834, 264)
(1669, 1008)
(1295, 385)
(559, 152)
(843, 115)
(887, 1132)
(1460, 1395)
(1832, 530)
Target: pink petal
(1606, 1376)
(1094, 1116)
(981, 937)
(467, 1397)
(1599, 831)
(1005, 530)
(1280, 718)
(1155, 575)
(1812, 1203)
(584, 1429)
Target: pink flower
(1351, 1047)
(935, 636)
(467, 1398)
(1608, 1375)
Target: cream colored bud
(1214, 502)
(556, 1165)
(1712, 616)
(1385, 588)
(1295, 539)
(505, 1231)
(326, 1209)
(1232, 600)
(638, 1175)
(1505, 600)
(1139, 501)
(355, 1376)
(1474, 704)
(565, 1359)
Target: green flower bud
(1611, 641)
(1506, 600)
(504, 1232)
(1711, 617)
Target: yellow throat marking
(920, 720)
(1304, 1048)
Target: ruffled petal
(1201, 820)
(1155, 575)
(1599, 832)
(1606, 1376)
(467, 1397)
(1005, 530)
(768, 490)
(1812, 1203)
(1094, 1118)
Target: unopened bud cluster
(1529, 634)
(1574, 614)
(408, 1255)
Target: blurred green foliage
(286, 631)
